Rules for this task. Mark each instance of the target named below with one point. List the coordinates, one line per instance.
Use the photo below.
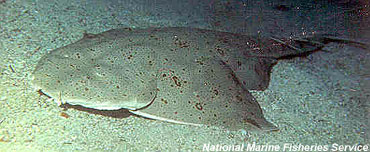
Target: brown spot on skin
(129, 57)
(198, 106)
(239, 63)
(220, 51)
(239, 98)
(200, 62)
(176, 80)
(216, 92)
(65, 115)
(164, 101)
(97, 66)
(181, 44)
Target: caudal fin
(303, 47)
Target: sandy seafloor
(322, 99)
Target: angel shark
(181, 75)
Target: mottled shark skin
(181, 75)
